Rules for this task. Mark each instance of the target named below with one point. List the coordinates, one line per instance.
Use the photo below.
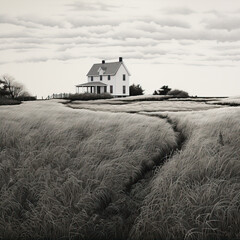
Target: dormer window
(100, 77)
(101, 70)
(91, 78)
(124, 77)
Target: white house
(112, 77)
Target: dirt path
(147, 171)
(142, 183)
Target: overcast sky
(50, 45)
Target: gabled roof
(109, 68)
(92, 84)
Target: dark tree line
(136, 89)
(165, 90)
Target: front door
(98, 90)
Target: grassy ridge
(196, 194)
(117, 105)
(231, 101)
(63, 173)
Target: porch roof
(92, 84)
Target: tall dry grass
(64, 172)
(196, 194)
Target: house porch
(92, 87)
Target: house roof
(109, 68)
(92, 84)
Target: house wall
(120, 83)
(94, 79)
(116, 81)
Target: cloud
(178, 34)
(156, 50)
(223, 23)
(23, 46)
(198, 34)
(91, 5)
(36, 21)
(209, 65)
(178, 11)
(46, 57)
(79, 21)
(226, 47)
(186, 42)
(15, 35)
(169, 22)
(129, 42)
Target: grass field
(141, 106)
(232, 101)
(157, 174)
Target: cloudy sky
(50, 45)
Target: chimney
(103, 61)
(120, 59)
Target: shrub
(178, 93)
(135, 90)
(89, 96)
(9, 101)
(26, 98)
(162, 91)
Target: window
(100, 77)
(111, 88)
(124, 89)
(91, 78)
(109, 77)
(124, 77)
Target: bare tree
(14, 88)
(3, 89)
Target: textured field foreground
(79, 174)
